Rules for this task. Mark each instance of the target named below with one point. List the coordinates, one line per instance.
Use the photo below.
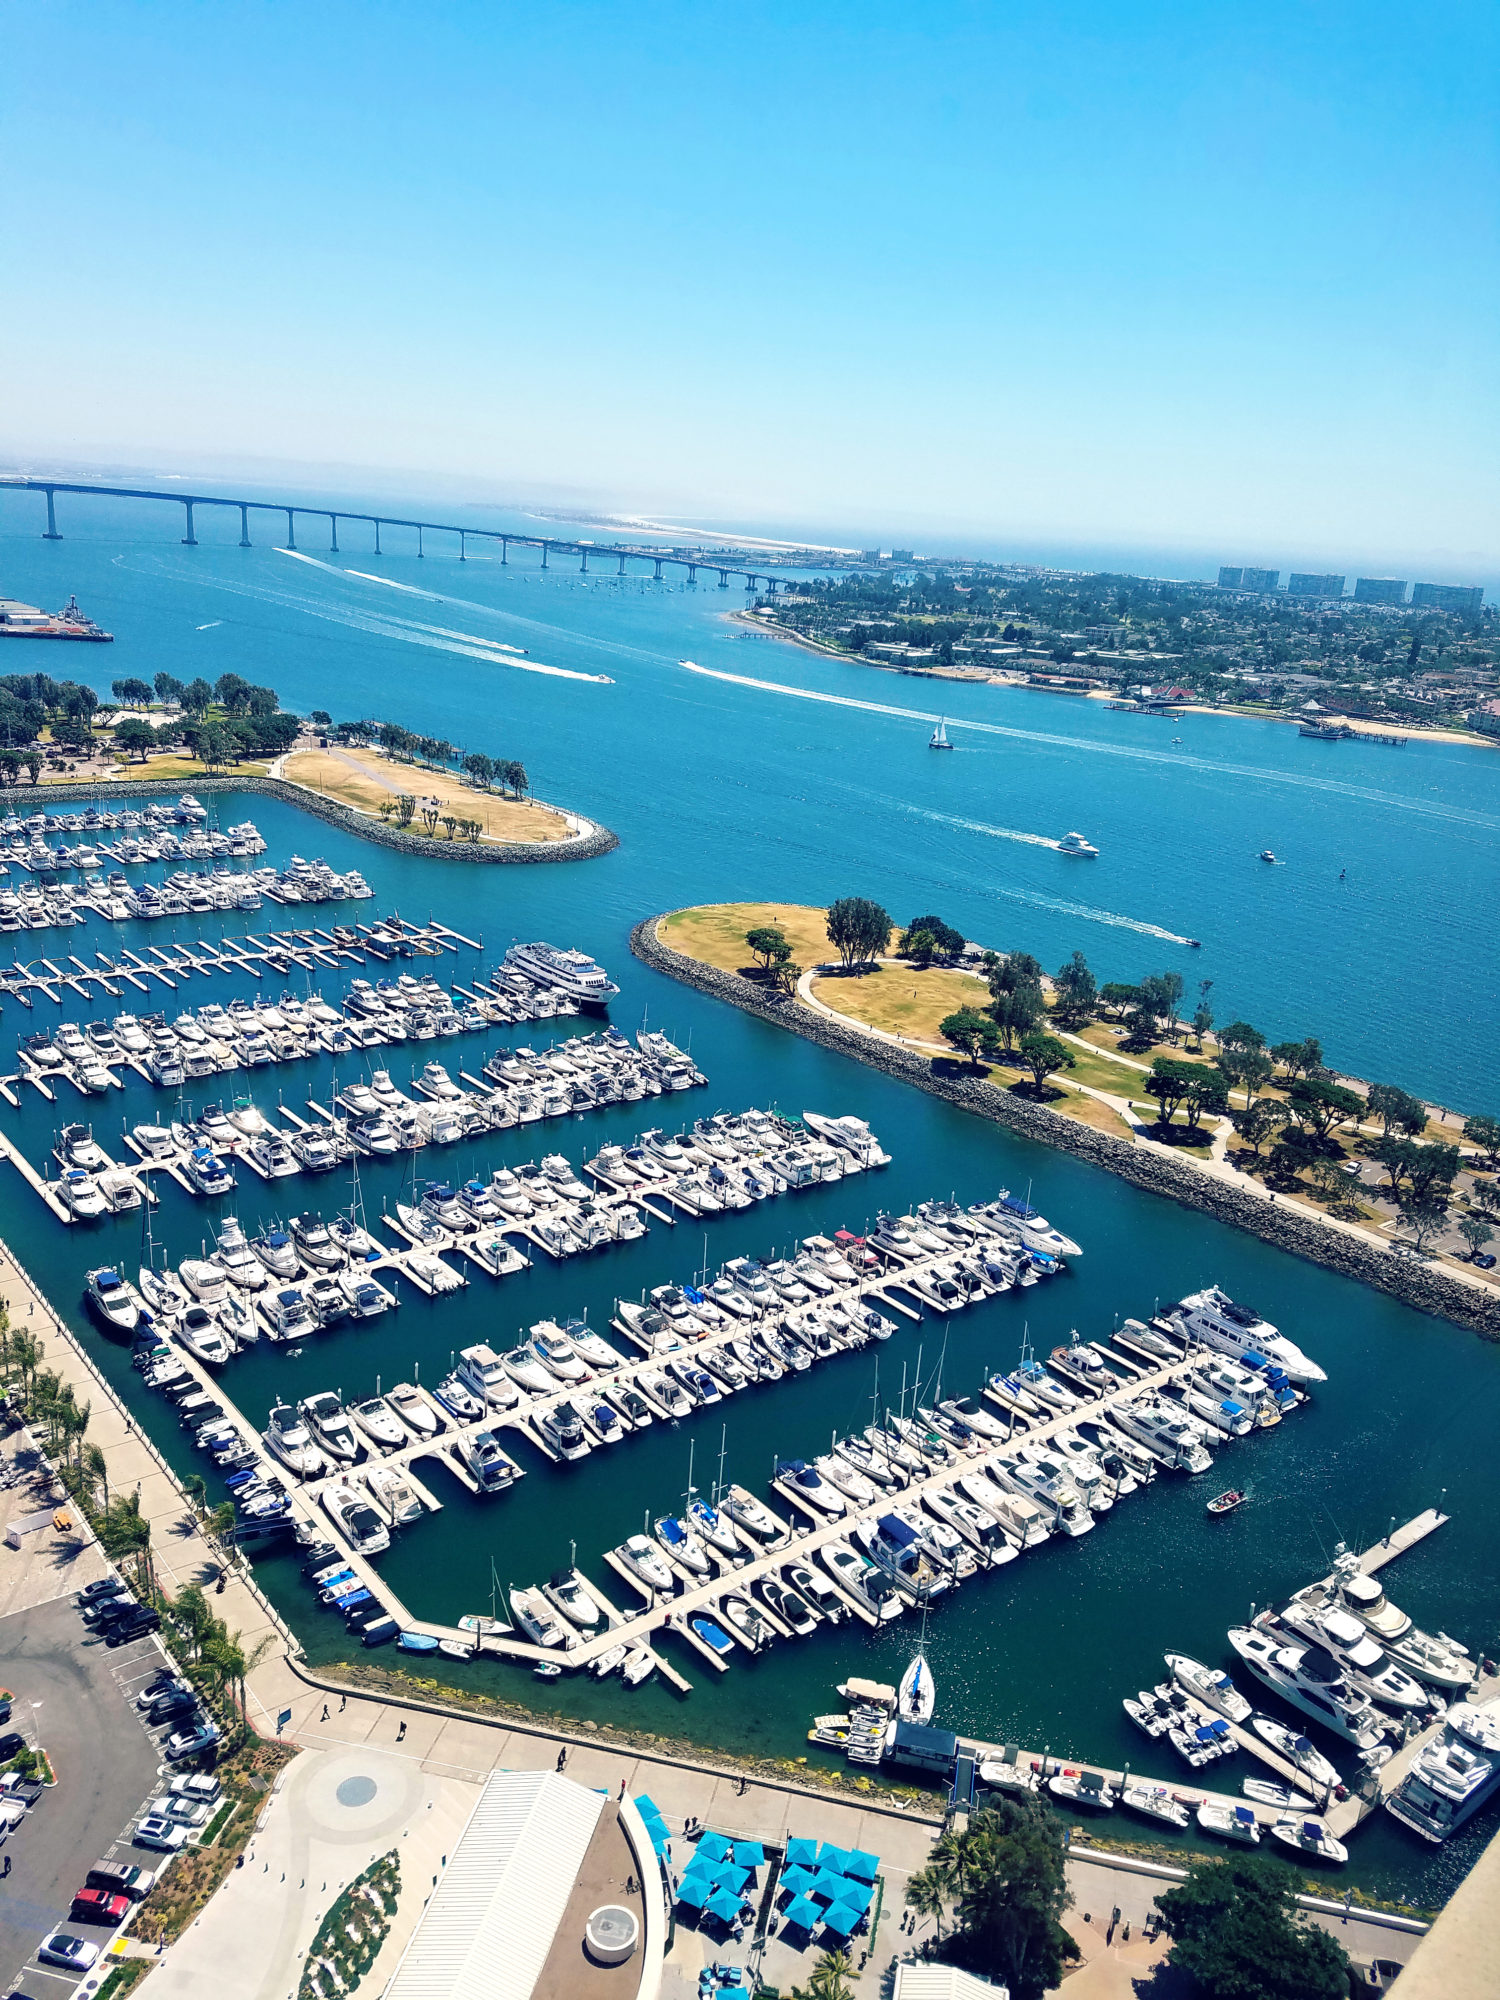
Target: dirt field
(364, 779)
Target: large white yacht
(1453, 1777)
(1359, 1652)
(1055, 1494)
(1162, 1429)
(1212, 1317)
(573, 973)
(1074, 843)
(288, 1438)
(1312, 1680)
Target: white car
(74, 1954)
(153, 1831)
(190, 1742)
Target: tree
(1476, 1233)
(1428, 1169)
(513, 776)
(1206, 1092)
(786, 972)
(168, 689)
(1236, 1931)
(1203, 1014)
(921, 947)
(1043, 1055)
(211, 743)
(196, 696)
(1397, 1110)
(829, 1981)
(768, 942)
(1016, 1014)
(231, 692)
(1294, 1153)
(480, 768)
(131, 693)
(1258, 1121)
(1169, 1083)
(1115, 998)
(73, 732)
(135, 736)
(858, 929)
(1299, 1058)
(450, 820)
(321, 717)
(1077, 992)
(1004, 1879)
(1424, 1214)
(406, 806)
(966, 1031)
(1249, 1070)
(1322, 1107)
(947, 942)
(1482, 1132)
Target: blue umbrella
(724, 1906)
(859, 1895)
(750, 1853)
(660, 1839)
(648, 1807)
(802, 1854)
(863, 1867)
(694, 1890)
(834, 1859)
(733, 1878)
(713, 1847)
(798, 1881)
(804, 1913)
(842, 1919)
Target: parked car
(200, 1785)
(98, 1906)
(1485, 1259)
(11, 1745)
(102, 1586)
(12, 1815)
(121, 1878)
(190, 1742)
(159, 1833)
(180, 1811)
(26, 1790)
(169, 1707)
(141, 1621)
(73, 1954)
(162, 1684)
(100, 1611)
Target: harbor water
(720, 790)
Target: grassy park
(365, 780)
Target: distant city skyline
(1115, 280)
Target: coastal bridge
(550, 545)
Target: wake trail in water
(980, 826)
(1366, 794)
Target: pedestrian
(622, 1790)
(343, 1703)
(401, 1734)
(324, 1716)
(562, 1757)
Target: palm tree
(233, 1666)
(195, 1486)
(96, 1465)
(829, 1980)
(933, 1888)
(192, 1614)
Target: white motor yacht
(1213, 1319)
(234, 1256)
(1312, 1680)
(646, 1564)
(525, 1369)
(204, 1278)
(1210, 1684)
(568, 1593)
(1053, 1492)
(80, 1192)
(1162, 1428)
(287, 1438)
(481, 1370)
(203, 1337)
(538, 1620)
(114, 1298)
(327, 1419)
(1450, 1779)
(394, 1495)
(276, 1251)
(379, 1423)
(351, 1513)
(554, 1349)
(314, 1244)
(1364, 1659)
(414, 1410)
(1020, 1517)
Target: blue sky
(1153, 276)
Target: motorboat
(538, 1620)
(1226, 1822)
(1310, 1839)
(592, 1347)
(327, 1419)
(1164, 1431)
(810, 1486)
(351, 1513)
(523, 1367)
(1450, 1779)
(557, 1353)
(1210, 1684)
(1074, 845)
(750, 1514)
(379, 1423)
(1153, 1802)
(481, 1370)
(746, 1620)
(81, 1193)
(414, 1410)
(362, 1296)
(458, 1401)
(1266, 1792)
(1053, 1492)
(1033, 1228)
(1367, 1663)
(270, 1154)
(785, 1604)
(568, 1593)
(114, 1298)
(287, 1438)
(1297, 1750)
(860, 1579)
(286, 1313)
(669, 1396)
(204, 1278)
(276, 1251)
(314, 1244)
(234, 1256)
(493, 1471)
(1311, 1679)
(682, 1544)
(645, 1563)
(561, 1429)
(207, 1172)
(1082, 1788)
(77, 1147)
(1210, 1318)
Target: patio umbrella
(832, 1858)
(732, 1877)
(798, 1881)
(804, 1913)
(647, 1806)
(861, 1866)
(858, 1895)
(750, 1853)
(724, 1906)
(841, 1919)
(828, 1888)
(802, 1854)
(713, 1847)
(694, 1889)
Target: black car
(104, 1610)
(1485, 1260)
(11, 1745)
(126, 1629)
(167, 1707)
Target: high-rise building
(1260, 579)
(1379, 590)
(901, 555)
(1231, 579)
(1448, 596)
(1301, 584)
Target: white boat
(1312, 1680)
(1082, 1788)
(379, 1423)
(351, 1513)
(638, 1666)
(80, 1191)
(576, 1603)
(413, 1408)
(287, 1438)
(1075, 844)
(1235, 1823)
(938, 740)
(114, 1298)
(203, 1337)
(1310, 1839)
(1154, 1802)
(327, 1419)
(646, 1564)
(1297, 1750)
(394, 1495)
(915, 1696)
(572, 973)
(1450, 1779)
(232, 1253)
(609, 1659)
(1210, 1684)
(1267, 1793)
(1212, 1318)
(1359, 1652)
(538, 1620)
(481, 1370)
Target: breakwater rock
(586, 840)
(1288, 1225)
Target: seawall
(1428, 1289)
(589, 839)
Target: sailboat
(916, 1696)
(493, 1627)
(939, 737)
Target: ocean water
(719, 789)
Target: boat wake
(212, 625)
(1210, 767)
(1065, 908)
(980, 826)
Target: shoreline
(1225, 1196)
(591, 838)
(1360, 727)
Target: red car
(97, 1906)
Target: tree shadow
(1165, 1982)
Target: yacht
(276, 1251)
(1310, 1679)
(203, 1337)
(1075, 844)
(327, 1419)
(114, 1298)
(286, 1313)
(572, 973)
(481, 1371)
(1450, 1779)
(350, 1512)
(314, 1244)
(207, 1171)
(232, 1253)
(493, 1471)
(561, 1429)
(752, 1516)
(1054, 1493)
(646, 1564)
(538, 1620)
(1364, 1659)
(1161, 1428)
(81, 1193)
(413, 1408)
(682, 1544)
(810, 1486)
(554, 1349)
(379, 1423)
(1021, 1519)
(861, 1580)
(204, 1278)
(286, 1437)
(574, 1601)
(394, 1495)
(1213, 1319)
(524, 1368)
(1310, 1839)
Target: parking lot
(73, 1696)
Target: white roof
(944, 1982)
(490, 1925)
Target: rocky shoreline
(1427, 1288)
(591, 839)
